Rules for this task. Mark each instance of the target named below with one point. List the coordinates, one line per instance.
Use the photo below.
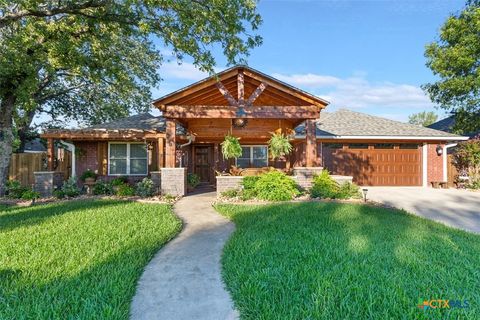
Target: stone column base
(47, 181)
(173, 181)
(304, 175)
(156, 177)
(225, 183)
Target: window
(127, 159)
(333, 145)
(253, 157)
(408, 146)
(358, 146)
(383, 145)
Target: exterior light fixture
(239, 123)
(364, 191)
(439, 150)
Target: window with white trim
(127, 159)
(253, 157)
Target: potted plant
(118, 182)
(231, 148)
(88, 176)
(279, 145)
(192, 181)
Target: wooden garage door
(375, 164)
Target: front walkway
(183, 280)
(456, 208)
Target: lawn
(78, 259)
(346, 261)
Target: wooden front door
(203, 165)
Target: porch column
(170, 131)
(160, 153)
(311, 143)
(50, 154)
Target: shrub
(145, 188)
(102, 188)
(349, 190)
(30, 194)
(119, 181)
(193, 180)
(14, 189)
(59, 194)
(70, 188)
(324, 186)
(275, 186)
(248, 184)
(88, 174)
(125, 191)
(231, 193)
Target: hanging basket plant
(279, 145)
(231, 148)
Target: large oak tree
(94, 60)
(455, 59)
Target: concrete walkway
(183, 280)
(456, 208)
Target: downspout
(71, 148)
(190, 140)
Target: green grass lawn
(346, 261)
(78, 259)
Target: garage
(375, 164)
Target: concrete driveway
(456, 208)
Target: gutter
(459, 138)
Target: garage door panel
(376, 167)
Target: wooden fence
(23, 165)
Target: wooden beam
(241, 88)
(256, 93)
(160, 153)
(226, 94)
(311, 145)
(50, 154)
(170, 148)
(230, 112)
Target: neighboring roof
(34, 145)
(447, 125)
(143, 121)
(347, 123)
(206, 92)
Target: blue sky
(361, 55)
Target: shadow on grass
(16, 217)
(330, 260)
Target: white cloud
(184, 71)
(358, 92)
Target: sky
(366, 56)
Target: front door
(203, 163)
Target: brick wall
(434, 164)
(86, 157)
(225, 183)
(174, 181)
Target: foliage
(324, 186)
(349, 190)
(455, 59)
(231, 148)
(59, 194)
(125, 190)
(58, 259)
(424, 118)
(30, 194)
(279, 145)
(145, 188)
(231, 193)
(275, 186)
(467, 159)
(103, 188)
(88, 174)
(120, 181)
(248, 184)
(70, 188)
(193, 180)
(316, 248)
(93, 61)
(14, 189)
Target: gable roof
(347, 124)
(206, 92)
(447, 125)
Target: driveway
(456, 208)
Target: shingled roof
(347, 123)
(143, 121)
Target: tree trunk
(6, 138)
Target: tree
(423, 118)
(467, 159)
(94, 60)
(455, 59)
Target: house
(251, 105)
(447, 125)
